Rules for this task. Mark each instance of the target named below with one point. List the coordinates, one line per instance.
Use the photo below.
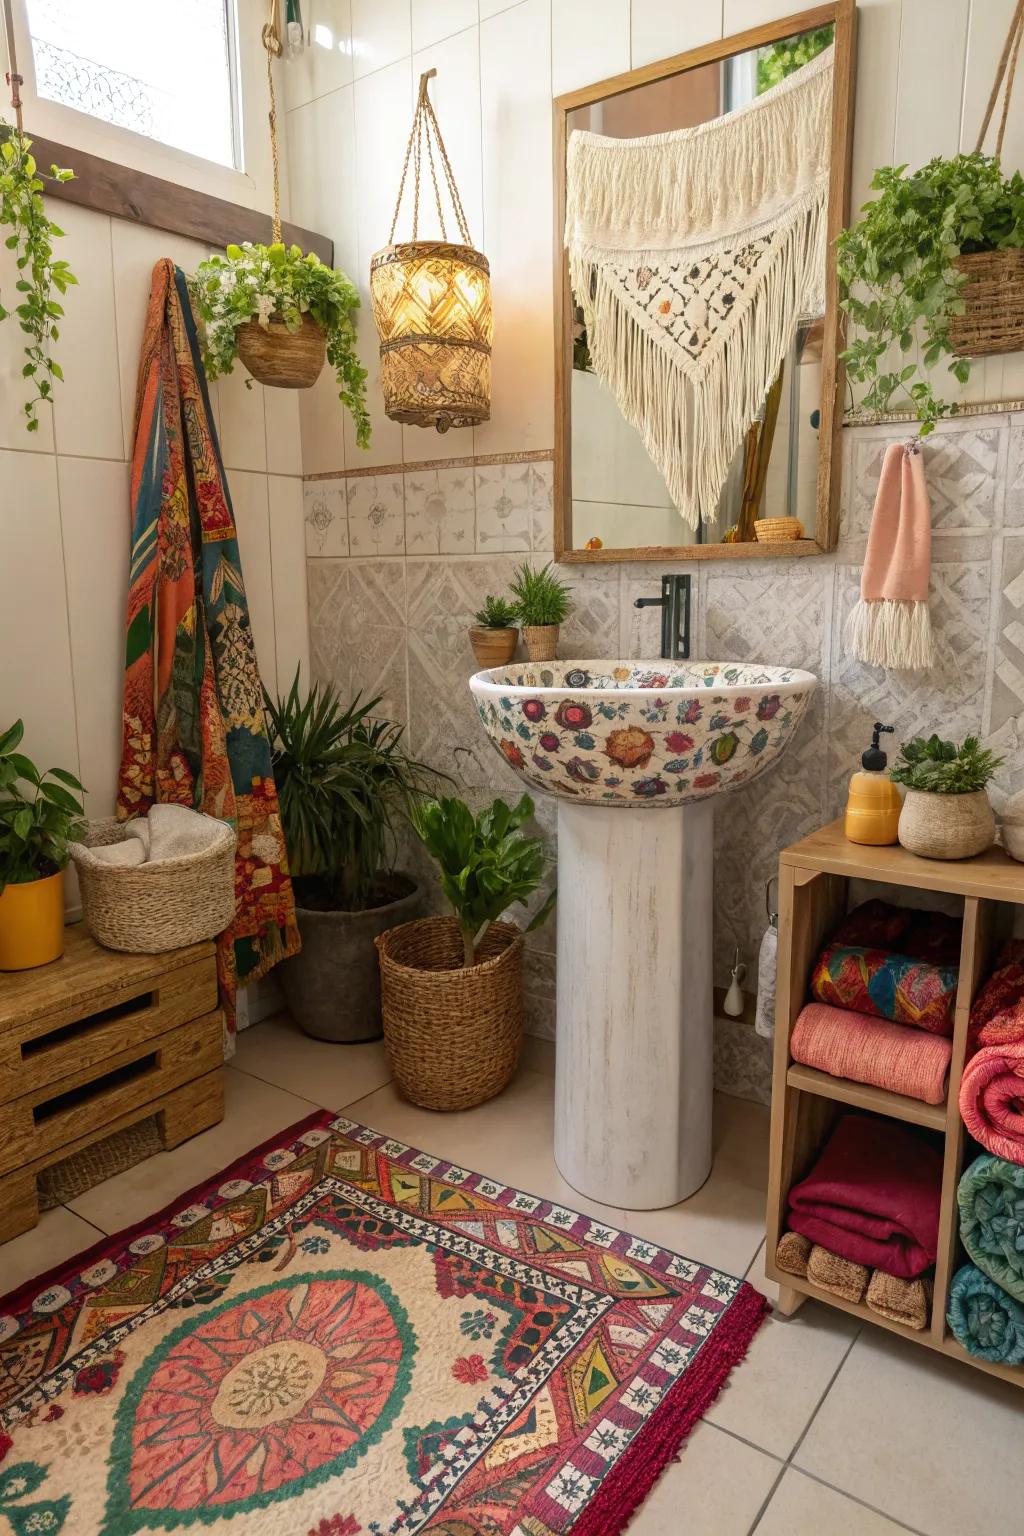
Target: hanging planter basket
(281, 358)
(994, 295)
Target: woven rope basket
(541, 641)
(777, 530)
(147, 910)
(944, 826)
(994, 295)
(282, 358)
(452, 1032)
(83, 1170)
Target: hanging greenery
(785, 57)
(23, 212)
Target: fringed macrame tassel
(890, 633)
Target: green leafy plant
(22, 209)
(277, 282)
(785, 57)
(897, 278)
(37, 823)
(496, 613)
(943, 768)
(540, 598)
(486, 863)
(344, 780)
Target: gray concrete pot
(332, 987)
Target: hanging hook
(428, 74)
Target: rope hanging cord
(14, 79)
(425, 138)
(272, 43)
(1006, 68)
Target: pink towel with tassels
(866, 1050)
(890, 626)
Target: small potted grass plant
(543, 604)
(40, 814)
(495, 632)
(345, 783)
(452, 987)
(946, 812)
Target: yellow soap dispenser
(874, 803)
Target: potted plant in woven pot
(282, 313)
(495, 633)
(543, 604)
(946, 811)
(345, 784)
(39, 816)
(452, 987)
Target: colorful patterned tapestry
(342, 1336)
(194, 731)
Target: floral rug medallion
(342, 1336)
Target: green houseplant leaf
(540, 598)
(496, 613)
(38, 815)
(941, 767)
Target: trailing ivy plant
(942, 767)
(278, 282)
(897, 279)
(31, 237)
(779, 60)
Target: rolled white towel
(125, 855)
(767, 965)
(176, 831)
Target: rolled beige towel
(792, 1253)
(842, 1277)
(902, 1301)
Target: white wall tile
(322, 424)
(35, 652)
(288, 578)
(325, 518)
(284, 438)
(989, 21)
(738, 15)
(381, 33)
(440, 511)
(96, 524)
(338, 211)
(434, 19)
(492, 7)
(659, 30)
(933, 46)
(376, 515)
(305, 174)
(249, 499)
(878, 65)
(87, 406)
(518, 219)
(326, 61)
(243, 432)
(589, 41)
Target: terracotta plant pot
(541, 641)
(32, 923)
(946, 826)
(332, 987)
(493, 647)
(282, 358)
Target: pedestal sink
(635, 752)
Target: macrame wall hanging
(693, 255)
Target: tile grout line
(856, 1499)
(329, 1108)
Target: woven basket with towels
(157, 883)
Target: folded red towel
(997, 1013)
(873, 1197)
(891, 1056)
(992, 1099)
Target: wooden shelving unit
(813, 891)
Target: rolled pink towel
(866, 1050)
(992, 1099)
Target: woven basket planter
(493, 647)
(541, 641)
(148, 909)
(994, 295)
(452, 1031)
(282, 358)
(777, 530)
(937, 826)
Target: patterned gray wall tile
(504, 506)
(640, 628)
(376, 515)
(440, 511)
(542, 525)
(1007, 700)
(325, 513)
(743, 1061)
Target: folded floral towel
(903, 1301)
(991, 1200)
(997, 1013)
(890, 626)
(870, 1050)
(792, 1253)
(873, 1196)
(984, 1319)
(832, 1273)
(992, 1099)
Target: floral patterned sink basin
(640, 733)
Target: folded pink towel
(992, 1099)
(867, 1050)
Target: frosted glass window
(165, 71)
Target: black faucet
(674, 603)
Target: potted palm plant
(946, 812)
(344, 784)
(452, 987)
(543, 604)
(36, 825)
(495, 632)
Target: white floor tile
(802, 1507)
(331, 1075)
(59, 1235)
(715, 1489)
(931, 1442)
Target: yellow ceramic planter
(32, 923)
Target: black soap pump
(874, 802)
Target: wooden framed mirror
(611, 500)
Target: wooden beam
(107, 187)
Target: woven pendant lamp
(432, 303)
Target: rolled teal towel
(991, 1200)
(986, 1321)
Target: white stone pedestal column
(635, 1012)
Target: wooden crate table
(95, 1042)
(813, 891)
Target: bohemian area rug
(341, 1335)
